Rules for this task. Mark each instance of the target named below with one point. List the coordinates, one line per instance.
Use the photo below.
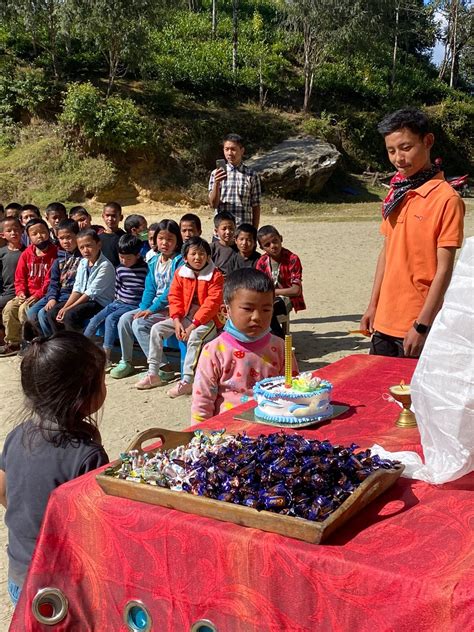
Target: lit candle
(400, 389)
(288, 360)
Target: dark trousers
(279, 309)
(385, 345)
(75, 318)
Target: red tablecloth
(405, 563)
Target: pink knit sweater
(228, 369)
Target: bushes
(113, 124)
(40, 169)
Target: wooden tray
(307, 530)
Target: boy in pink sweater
(244, 353)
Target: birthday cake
(308, 399)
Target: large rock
(300, 164)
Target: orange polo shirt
(429, 218)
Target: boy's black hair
(2, 210)
(196, 242)
(61, 378)
(153, 226)
(56, 207)
(234, 138)
(68, 224)
(30, 207)
(246, 279)
(13, 205)
(129, 245)
(172, 227)
(268, 229)
(191, 217)
(246, 228)
(89, 232)
(115, 205)
(222, 217)
(412, 118)
(10, 219)
(33, 222)
(75, 210)
(133, 221)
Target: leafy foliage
(97, 123)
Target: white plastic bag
(443, 385)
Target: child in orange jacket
(195, 300)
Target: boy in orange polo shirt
(422, 224)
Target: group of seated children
(143, 285)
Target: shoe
(9, 350)
(149, 381)
(166, 376)
(123, 369)
(181, 388)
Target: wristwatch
(420, 328)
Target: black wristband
(420, 328)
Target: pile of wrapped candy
(283, 473)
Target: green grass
(39, 169)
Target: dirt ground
(338, 260)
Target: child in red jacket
(195, 301)
(31, 282)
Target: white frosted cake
(308, 399)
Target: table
(406, 562)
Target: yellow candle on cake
(288, 360)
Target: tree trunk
(214, 18)
(454, 51)
(235, 34)
(395, 47)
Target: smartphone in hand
(221, 164)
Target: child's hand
(31, 300)
(50, 304)
(61, 314)
(367, 320)
(21, 297)
(144, 313)
(179, 330)
(188, 331)
(220, 175)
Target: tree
(319, 24)
(457, 34)
(119, 29)
(235, 34)
(40, 20)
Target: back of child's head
(70, 225)
(153, 227)
(411, 118)
(56, 207)
(129, 245)
(246, 228)
(13, 209)
(63, 381)
(223, 216)
(31, 207)
(196, 242)
(172, 227)
(88, 232)
(78, 210)
(34, 222)
(246, 279)
(133, 221)
(268, 229)
(191, 217)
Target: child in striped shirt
(129, 285)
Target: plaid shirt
(290, 273)
(240, 192)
